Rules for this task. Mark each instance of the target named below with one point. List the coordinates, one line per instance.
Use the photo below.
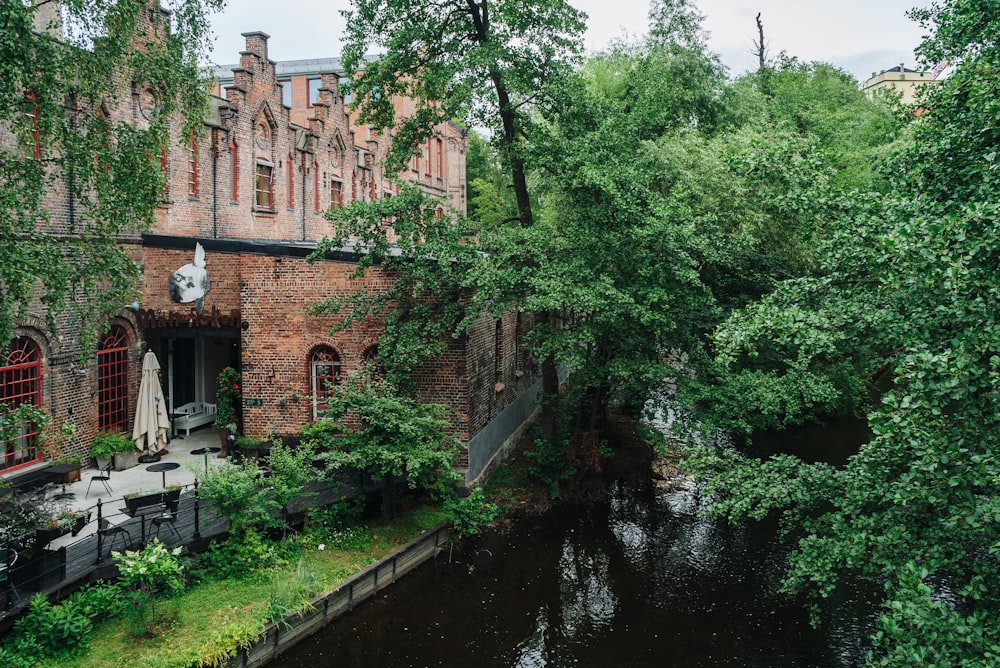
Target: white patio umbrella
(151, 419)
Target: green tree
(388, 435)
(490, 197)
(55, 101)
(909, 289)
(489, 61)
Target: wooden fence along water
(280, 637)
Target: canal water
(643, 579)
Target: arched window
(21, 383)
(112, 381)
(324, 374)
(369, 358)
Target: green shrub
(103, 600)
(470, 514)
(107, 444)
(153, 569)
(240, 557)
(547, 462)
(22, 653)
(344, 513)
(54, 628)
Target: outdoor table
(206, 452)
(163, 467)
(58, 473)
(153, 509)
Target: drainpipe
(215, 183)
(302, 200)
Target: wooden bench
(191, 415)
(32, 480)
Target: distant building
(899, 79)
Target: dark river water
(641, 580)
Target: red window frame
(427, 165)
(193, 167)
(112, 380)
(324, 376)
(21, 383)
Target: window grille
(324, 372)
(112, 381)
(21, 383)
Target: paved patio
(137, 479)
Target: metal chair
(106, 529)
(169, 517)
(103, 475)
(8, 556)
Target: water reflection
(643, 580)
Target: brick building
(225, 281)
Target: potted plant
(135, 501)
(110, 445)
(67, 521)
(228, 398)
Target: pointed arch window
(21, 383)
(112, 381)
(324, 375)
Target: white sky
(860, 36)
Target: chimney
(257, 43)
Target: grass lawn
(207, 622)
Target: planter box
(126, 460)
(136, 504)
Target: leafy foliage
(228, 398)
(248, 500)
(906, 295)
(388, 436)
(56, 102)
(53, 629)
(471, 513)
